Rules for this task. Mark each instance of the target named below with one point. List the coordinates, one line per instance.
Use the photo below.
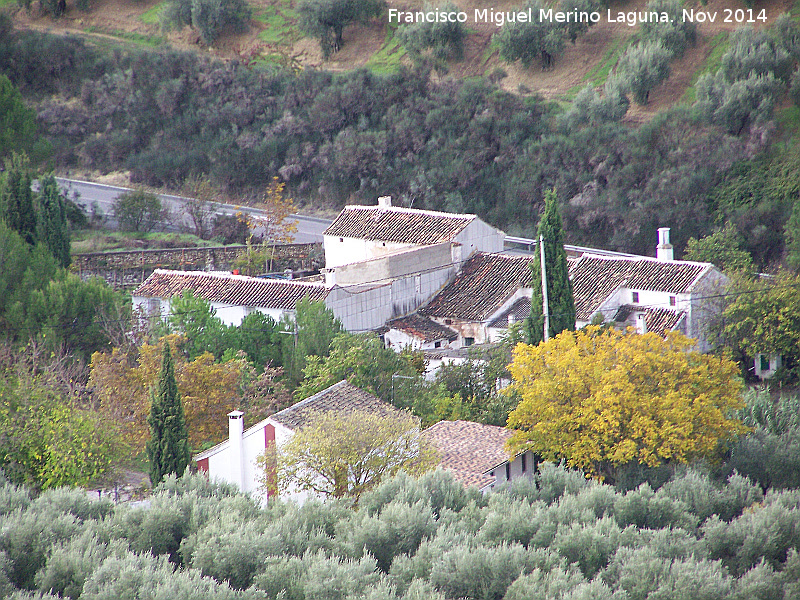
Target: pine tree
(168, 447)
(561, 304)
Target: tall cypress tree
(16, 198)
(168, 447)
(561, 304)
(51, 221)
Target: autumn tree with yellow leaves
(602, 398)
(209, 390)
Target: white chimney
(384, 202)
(236, 437)
(664, 248)
(511, 318)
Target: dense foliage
(601, 398)
(558, 537)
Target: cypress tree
(168, 447)
(51, 221)
(16, 198)
(561, 304)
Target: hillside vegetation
(401, 126)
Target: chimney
(511, 318)
(236, 437)
(664, 248)
(384, 202)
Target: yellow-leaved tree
(600, 398)
(209, 390)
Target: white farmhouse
(476, 454)
(235, 460)
(363, 233)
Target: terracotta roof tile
(658, 320)
(423, 328)
(594, 278)
(469, 450)
(521, 309)
(342, 397)
(394, 224)
(481, 287)
(230, 289)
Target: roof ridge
(433, 213)
(244, 278)
(306, 401)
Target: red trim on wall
(272, 461)
(202, 465)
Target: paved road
(100, 197)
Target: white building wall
(704, 306)
(500, 473)
(481, 237)
(345, 250)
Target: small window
(508, 471)
(468, 341)
(341, 239)
(491, 473)
(636, 296)
(523, 460)
(672, 300)
(764, 362)
(437, 344)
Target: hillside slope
(273, 34)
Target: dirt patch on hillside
(579, 63)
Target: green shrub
(138, 211)
(398, 529)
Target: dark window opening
(437, 344)
(508, 471)
(469, 341)
(523, 460)
(635, 296)
(672, 300)
(764, 362)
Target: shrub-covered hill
(559, 537)
(445, 144)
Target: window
(636, 296)
(523, 460)
(764, 362)
(508, 471)
(341, 239)
(468, 341)
(437, 344)
(672, 300)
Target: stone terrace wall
(129, 268)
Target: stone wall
(129, 268)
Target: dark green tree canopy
(51, 220)
(168, 447)
(561, 304)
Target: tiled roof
(236, 290)
(469, 450)
(394, 224)
(342, 397)
(658, 320)
(594, 278)
(423, 328)
(481, 287)
(521, 309)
